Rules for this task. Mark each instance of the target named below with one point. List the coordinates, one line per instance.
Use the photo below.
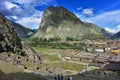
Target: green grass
(55, 60)
(38, 49)
(52, 58)
(68, 66)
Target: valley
(66, 61)
(62, 48)
(81, 63)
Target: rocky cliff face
(61, 23)
(23, 32)
(30, 52)
(54, 16)
(10, 42)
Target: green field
(68, 66)
(38, 49)
(55, 61)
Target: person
(70, 78)
(61, 77)
(55, 77)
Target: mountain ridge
(116, 36)
(60, 22)
(22, 31)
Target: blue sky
(104, 13)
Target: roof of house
(113, 66)
(114, 63)
(96, 64)
(115, 58)
(101, 57)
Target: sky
(104, 13)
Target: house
(114, 63)
(96, 63)
(115, 51)
(86, 58)
(100, 50)
(99, 60)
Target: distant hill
(116, 36)
(22, 31)
(58, 22)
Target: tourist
(55, 77)
(61, 77)
(69, 78)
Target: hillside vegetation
(58, 22)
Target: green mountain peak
(61, 23)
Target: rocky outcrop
(10, 42)
(61, 23)
(30, 52)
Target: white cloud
(10, 5)
(118, 27)
(110, 30)
(109, 20)
(33, 2)
(79, 15)
(21, 8)
(23, 11)
(115, 30)
(88, 12)
(14, 17)
(12, 9)
(107, 17)
(32, 21)
(79, 8)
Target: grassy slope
(8, 68)
(11, 72)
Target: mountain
(107, 33)
(116, 36)
(58, 22)
(10, 42)
(22, 31)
